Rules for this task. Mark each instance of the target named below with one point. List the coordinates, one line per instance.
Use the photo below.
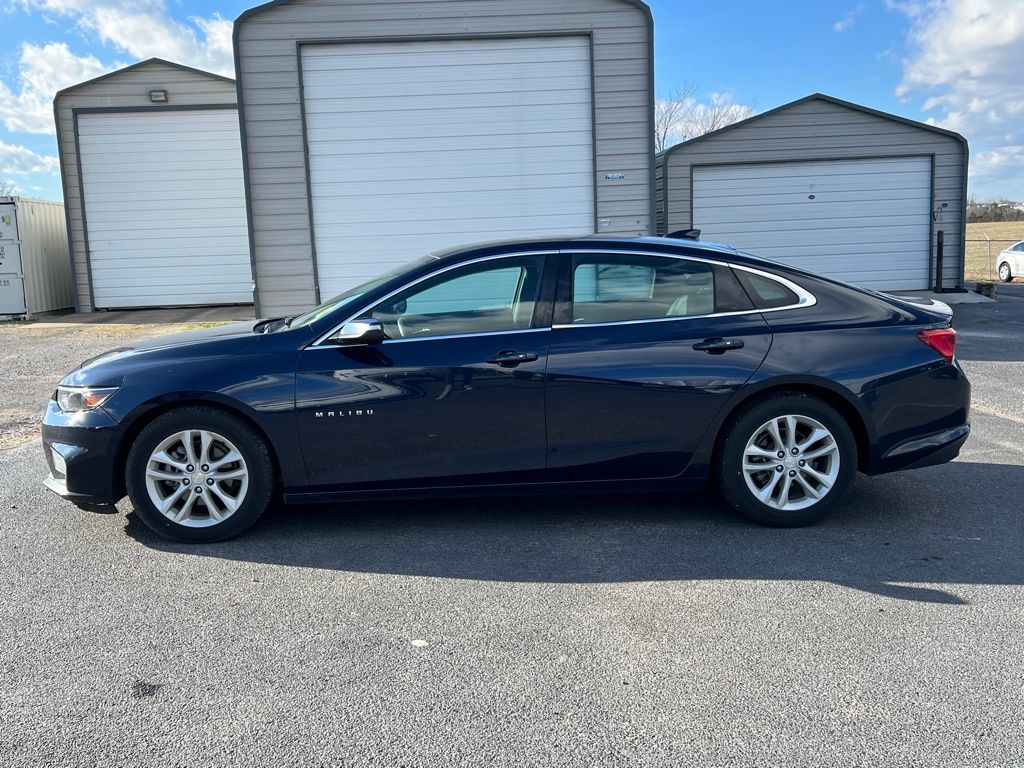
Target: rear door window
(610, 288)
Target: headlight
(73, 399)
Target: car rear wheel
(198, 474)
(786, 460)
(1004, 272)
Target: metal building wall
(124, 90)
(821, 127)
(268, 40)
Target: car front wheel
(786, 460)
(197, 474)
(1004, 272)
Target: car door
(645, 351)
(455, 396)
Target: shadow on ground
(951, 525)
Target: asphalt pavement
(585, 631)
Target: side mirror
(367, 330)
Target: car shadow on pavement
(905, 537)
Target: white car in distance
(1011, 262)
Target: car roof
(588, 242)
(668, 245)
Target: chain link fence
(983, 257)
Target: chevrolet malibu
(591, 364)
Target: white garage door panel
(165, 208)
(823, 211)
(845, 194)
(563, 182)
(448, 122)
(501, 146)
(869, 221)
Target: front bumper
(80, 454)
(82, 501)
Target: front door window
(486, 297)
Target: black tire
(1006, 276)
(747, 423)
(250, 445)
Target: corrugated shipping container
(35, 270)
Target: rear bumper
(925, 420)
(79, 450)
(927, 451)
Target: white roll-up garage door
(867, 222)
(165, 208)
(419, 146)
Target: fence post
(989, 243)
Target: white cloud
(849, 19)
(143, 29)
(22, 161)
(43, 70)
(965, 62)
(997, 162)
(911, 8)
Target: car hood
(232, 338)
(240, 329)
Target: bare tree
(680, 116)
(670, 115)
(993, 209)
(8, 188)
(719, 111)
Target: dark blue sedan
(593, 364)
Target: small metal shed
(35, 272)
(374, 132)
(152, 171)
(829, 186)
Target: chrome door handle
(510, 358)
(717, 346)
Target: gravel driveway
(586, 631)
(35, 356)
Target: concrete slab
(173, 316)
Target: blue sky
(958, 63)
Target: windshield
(354, 293)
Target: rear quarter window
(765, 292)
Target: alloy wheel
(1004, 272)
(196, 478)
(791, 462)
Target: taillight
(942, 340)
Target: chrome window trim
(804, 297)
(462, 335)
(319, 343)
